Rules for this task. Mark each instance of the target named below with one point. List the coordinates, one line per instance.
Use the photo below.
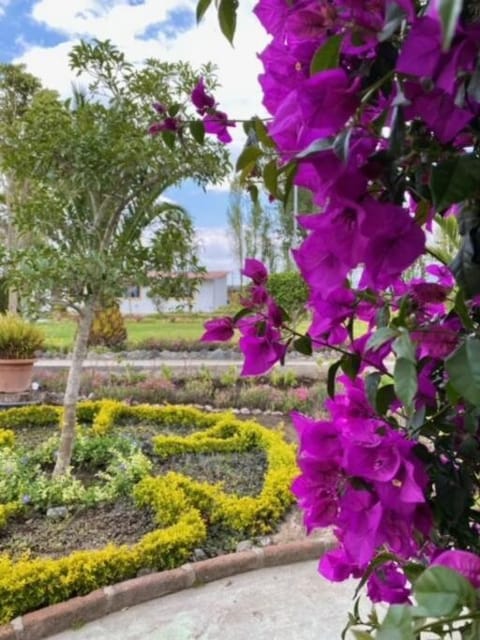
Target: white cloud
(3, 6)
(125, 24)
(216, 250)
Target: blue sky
(40, 33)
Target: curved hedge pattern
(181, 505)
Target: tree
(96, 176)
(251, 229)
(17, 89)
(177, 273)
(236, 225)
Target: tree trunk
(72, 390)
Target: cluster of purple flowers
(214, 121)
(360, 472)
(362, 477)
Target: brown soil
(89, 528)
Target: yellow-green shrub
(7, 438)
(7, 511)
(181, 505)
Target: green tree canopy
(95, 177)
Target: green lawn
(60, 333)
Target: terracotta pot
(15, 375)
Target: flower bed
(183, 508)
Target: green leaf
(331, 375)
(202, 7)
(405, 381)
(372, 380)
(317, 145)
(442, 592)
(404, 347)
(449, 11)
(270, 177)
(241, 314)
(380, 337)
(248, 156)
(393, 19)
(198, 131)
(227, 17)
(327, 56)
(253, 191)
(455, 180)
(385, 397)
(350, 365)
(473, 90)
(303, 345)
(173, 109)
(341, 144)
(463, 368)
(397, 624)
(262, 133)
(462, 310)
(169, 139)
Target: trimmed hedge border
(179, 503)
(97, 604)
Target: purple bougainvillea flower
(260, 353)
(422, 50)
(201, 99)
(327, 100)
(255, 270)
(272, 14)
(159, 108)
(218, 330)
(438, 110)
(285, 67)
(464, 562)
(336, 566)
(311, 20)
(218, 123)
(396, 242)
(389, 584)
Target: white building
(211, 294)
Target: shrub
(18, 339)
(290, 292)
(108, 328)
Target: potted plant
(19, 340)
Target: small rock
(277, 413)
(244, 411)
(35, 386)
(264, 541)
(244, 545)
(199, 554)
(57, 513)
(208, 407)
(256, 412)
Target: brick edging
(77, 611)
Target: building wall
(211, 295)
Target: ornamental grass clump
(19, 339)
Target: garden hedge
(181, 505)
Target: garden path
(290, 602)
(307, 367)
